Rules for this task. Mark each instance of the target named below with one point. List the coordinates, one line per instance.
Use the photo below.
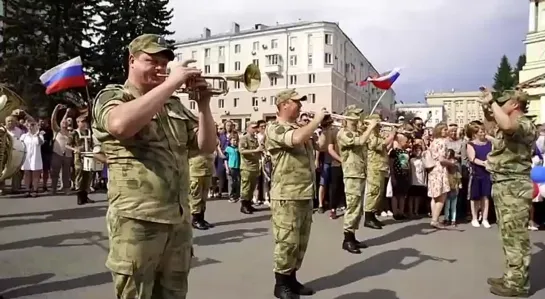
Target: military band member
(509, 164)
(352, 145)
(147, 135)
(292, 191)
(201, 168)
(250, 154)
(76, 142)
(377, 170)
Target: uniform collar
(132, 89)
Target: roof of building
(455, 94)
(417, 105)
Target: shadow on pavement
(244, 220)
(92, 238)
(197, 262)
(373, 294)
(53, 216)
(63, 285)
(10, 283)
(536, 269)
(376, 265)
(401, 233)
(232, 236)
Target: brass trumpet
(251, 79)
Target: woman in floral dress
(438, 184)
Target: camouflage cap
(150, 44)
(517, 95)
(352, 112)
(374, 116)
(289, 94)
(252, 123)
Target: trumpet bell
(252, 78)
(12, 150)
(9, 102)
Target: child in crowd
(400, 175)
(455, 182)
(232, 166)
(419, 182)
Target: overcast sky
(441, 44)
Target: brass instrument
(12, 150)
(251, 79)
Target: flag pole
(378, 101)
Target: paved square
(51, 248)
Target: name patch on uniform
(280, 130)
(349, 134)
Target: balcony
(273, 69)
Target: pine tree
(520, 64)
(503, 79)
(23, 53)
(157, 18)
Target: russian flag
(64, 76)
(385, 81)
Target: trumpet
(385, 124)
(251, 78)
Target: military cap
(252, 123)
(517, 95)
(150, 44)
(289, 94)
(352, 112)
(374, 116)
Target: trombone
(251, 78)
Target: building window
(311, 78)
(274, 44)
(207, 69)
(293, 41)
(207, 52)
(309, 59)
(237, 65)
(293, 60)
(329, 39)
(255, 102)
(222, 85)
(237, 84)
(255, 46)
(256, 62)
(221, 51)
(312, 98)
(328, 59)
(272, 59)
(221, 103)
(274, 81)
(237, 48)
(193, 54)
(273, 100)
(192, 105)
(293, 79)
(221, 68)
(235, 101)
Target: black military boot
(81, 198)
(369, 217)
(298, 288)
(282, 287)
(349, 243)
(208, 224)
(198, 223)
(360, 244)
(375, 220)
(246, 207)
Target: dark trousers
(336, 188)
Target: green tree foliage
(520, 64)
(503, 79)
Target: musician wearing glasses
(293, 179)
(147, 135)
(352, 145)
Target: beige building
(434, 114)
(316, 58)
(460, 107)
(532, 76)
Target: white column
(532, 17)
(540, 15)
(542, 109)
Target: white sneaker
(533, 228)
(475, 223)
(383, 214)
(267, 203)
(390, 214)
(486, 224)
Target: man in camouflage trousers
(250, 155)
(147, 135)
(76, 141)
(377, 170)
(352, 145)
(509, 164)
(292, 190)
(201, 168)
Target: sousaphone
(12, 150)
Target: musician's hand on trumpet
(181, 73)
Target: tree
(408, 115)
(520, 64)
(503, 79)
(23, 50)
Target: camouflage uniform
(352, 151)
(292, 191)
(377, 170)
(150, 235)
(201, 168)
(82, 179)
(249, 170)
(509, 164)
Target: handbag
(427, 160)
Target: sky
(440, 44)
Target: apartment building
(316, 58)
(434, 114)
(461, 107)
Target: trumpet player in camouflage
(509, 164)
(352, 145)
(293, 180)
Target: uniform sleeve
(526, 131)
(375, 143)
(243, 143)
(192, 129)
(348, 139)
(106, 101)
(279, 136)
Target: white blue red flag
(64, 76)
(384, 81)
